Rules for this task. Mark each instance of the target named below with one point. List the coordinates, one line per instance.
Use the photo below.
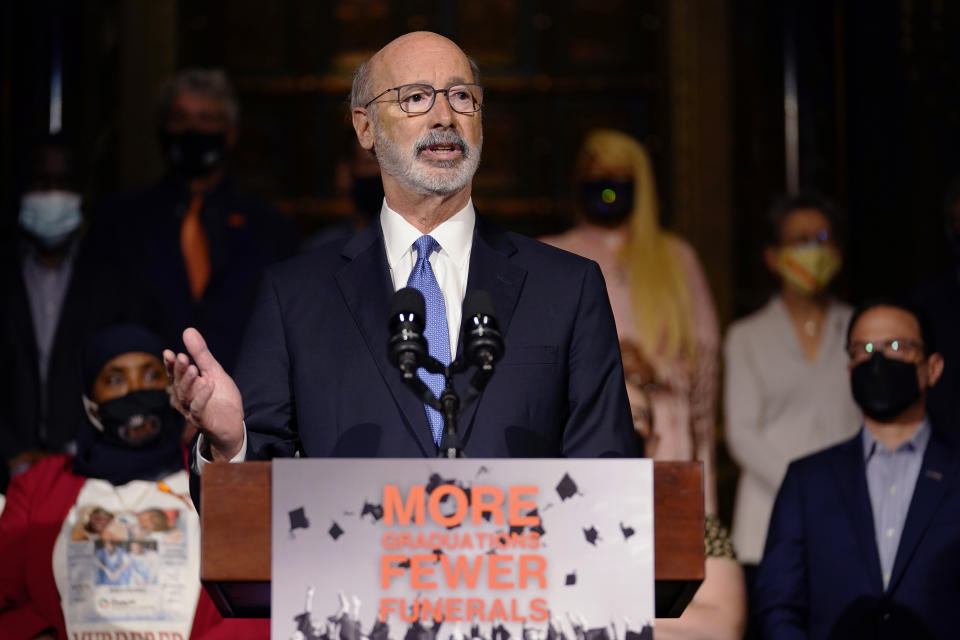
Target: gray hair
(210, 83)
(362, 90)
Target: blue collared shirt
(891, 478)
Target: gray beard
(421, 176)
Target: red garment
(38, 502)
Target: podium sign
(484, 548)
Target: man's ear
(934, 369)
(363, 125)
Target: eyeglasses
(419, 98)
(896, 349)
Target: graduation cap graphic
(298, 520)
(405, 564)
(482, 469)
(591, 535)
(519, 528)
(567, 488)
(436, 481)
(335, 531)
(571, 579)
(627, 531)
(375, 510)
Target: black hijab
(98, 455)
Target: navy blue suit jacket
(820, 574)
(315, 377)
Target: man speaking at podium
(313, 377)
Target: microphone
(482, 341)
(406, 347)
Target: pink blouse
(684, 398)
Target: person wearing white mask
(54, 292)
(786, 392)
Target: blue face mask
(50, 217)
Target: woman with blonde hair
(669, 340)
(664, 312)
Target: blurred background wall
(737, 100)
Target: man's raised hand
(206, 396)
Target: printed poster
(475, 549)
(127, 562)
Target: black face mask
(884, 388)
(138, 419)
(140, 439)
(368, 196)
(194, 154)
(607, 202)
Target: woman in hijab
(70, 525)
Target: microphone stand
(450, 444)
(449, 405)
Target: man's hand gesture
(206, 396)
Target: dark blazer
(95, 296)
(315, 377)
(141, 231)
(820, 574)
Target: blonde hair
(659, 291)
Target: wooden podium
(235, 525)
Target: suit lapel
(491, 270)
(936, 474)
(366, 287)
(852, 485)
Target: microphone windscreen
(408, 300)
(478, 302)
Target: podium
(235, 545)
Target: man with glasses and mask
(194, 239)
(313, 378)
(864, 540)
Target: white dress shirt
(450, 264)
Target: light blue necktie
(436, 332)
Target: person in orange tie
(200, 242)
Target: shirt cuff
(200, 459)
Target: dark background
(700, 82)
